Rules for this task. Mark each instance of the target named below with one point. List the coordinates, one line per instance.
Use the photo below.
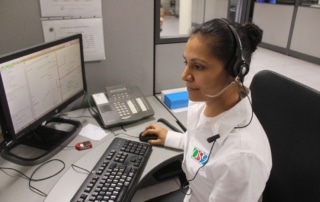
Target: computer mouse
(147, 137)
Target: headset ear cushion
(231, 67)
(245, 71)
(239, 68)
(236, 68)
(242, 70)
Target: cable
(204, 163)
(94, 116)
(35, 190)
(171, 112)
(30, 179)
(122, 127)
(189, 180)
(90, 105)
(165, 122)
(195, 175)
(3, 169)
(75, 166)
(125, 134)
(246, 125)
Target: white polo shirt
(240, 161)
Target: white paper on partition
(90, 28)
(71, 8)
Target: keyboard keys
(115, 175)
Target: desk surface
(63, 186)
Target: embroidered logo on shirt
(200, 156)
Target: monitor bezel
(6, 123)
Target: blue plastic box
(176, 100)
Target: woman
(227, 155)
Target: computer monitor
(35, 85)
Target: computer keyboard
(116, 174)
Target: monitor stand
(42, 143)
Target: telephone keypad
(120, 105)
(122, 109)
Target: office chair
(290, 114)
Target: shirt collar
(238, 116)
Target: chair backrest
(290, 114)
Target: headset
(238, 65)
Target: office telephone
(121, 105)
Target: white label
(141, 104)
(100, 98)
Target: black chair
(290, 114)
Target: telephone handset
(121, 105)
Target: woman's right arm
(165, 138)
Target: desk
(63, 186)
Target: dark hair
(222, 42)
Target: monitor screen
(38, 82)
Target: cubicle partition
(169, 66)
(275, 21)
(292, 29)
(305, 40)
